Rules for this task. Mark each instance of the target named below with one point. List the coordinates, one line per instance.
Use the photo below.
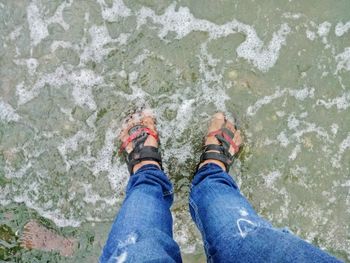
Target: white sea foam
(7, 112)
(293, 122)
(82, 82)
(271, 177)
(182, 22)
(55, 215)
(31, 64)
(37, 26)
(252, 110)
(320, 132)
(299, 128)
(211, 82)
(95, 49)
(343, 60)
(341, 29)
(140, 58)
(334, 128)
(302, 94)
(343, 146)
(16, 33)
(60, 44)
(310, 34)
(12, 173)
(100, 37)
(283, 139)
(295, 152)
(38, 23)
(118, 9)
(299, 94)
(71, 144)
(263, 57)
(341, 102)
(324, 28)
(116, 171)
(92, 198)
(294, 16)
(26, 94)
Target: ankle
(143, 163)
(221, 164)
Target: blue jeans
(231, 229)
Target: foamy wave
(343, 146)
(271, 177)
(38, 23)
(342, 102)
(7, 113)
(55, 215)
(118, 9)
(341, 29)
(299, 94)
(253, 49)
(71, 144)
(81, 80)
(252, 110)
(31, 64)
(343, 60)
(100, 37)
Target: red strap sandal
(222, 153)
(138, 135)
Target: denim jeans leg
(142, 230)
(233, 232)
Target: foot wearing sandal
(222, 142)
(140, 141)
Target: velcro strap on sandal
(220, 152)
(216, 156)
(146, 153)
(214, 147)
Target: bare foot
(36, 236)
(217, 122)
(145, 118)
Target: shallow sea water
(70, 71)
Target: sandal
(221, 152)
(138, 134)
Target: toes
(149, 122)
(145, 118)
(217, 121)
(219, 115)
(127, 125)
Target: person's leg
(142, 230)
(233, 232)
(231, 229)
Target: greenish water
(71, 70)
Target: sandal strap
(216, 156)
(140, 152)
(146, 153)
(225, 137)
(214, 147)
(136, 134)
